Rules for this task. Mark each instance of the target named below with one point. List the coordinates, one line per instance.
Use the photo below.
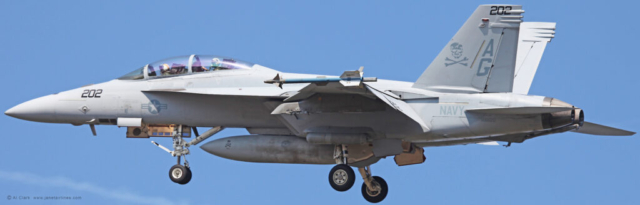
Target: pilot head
(215, 62)
(164, 68)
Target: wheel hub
(176, 173)
(340, 177)
(376, 190)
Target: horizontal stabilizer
(519, 110)
(596, 129)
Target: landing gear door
(147, 131)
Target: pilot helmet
(215, 61)
(165, 67)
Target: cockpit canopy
(186, 64)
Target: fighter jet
(474, 91)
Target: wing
(338, 87)
(401, 106)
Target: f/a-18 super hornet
(475, 91)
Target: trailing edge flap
(400, 106)
(596, 129)
(519, 110)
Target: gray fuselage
(239, 98)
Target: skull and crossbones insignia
(456, 52)
(228, 145)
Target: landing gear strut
(342, 177)
(181, 174)
(374, 188)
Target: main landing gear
(374, 189)
(178, 173)
(341, 178)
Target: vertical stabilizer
(533, 39)
(480, 57)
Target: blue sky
(47, 47)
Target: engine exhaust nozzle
(564, 118)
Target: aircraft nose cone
(40, 110)
(11, 112)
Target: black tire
(342, 177)
(179, 174)
(375, 197)
(189, 174)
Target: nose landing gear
(181, 174)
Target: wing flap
(400, 106)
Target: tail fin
(532, 41)
(480, 57)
